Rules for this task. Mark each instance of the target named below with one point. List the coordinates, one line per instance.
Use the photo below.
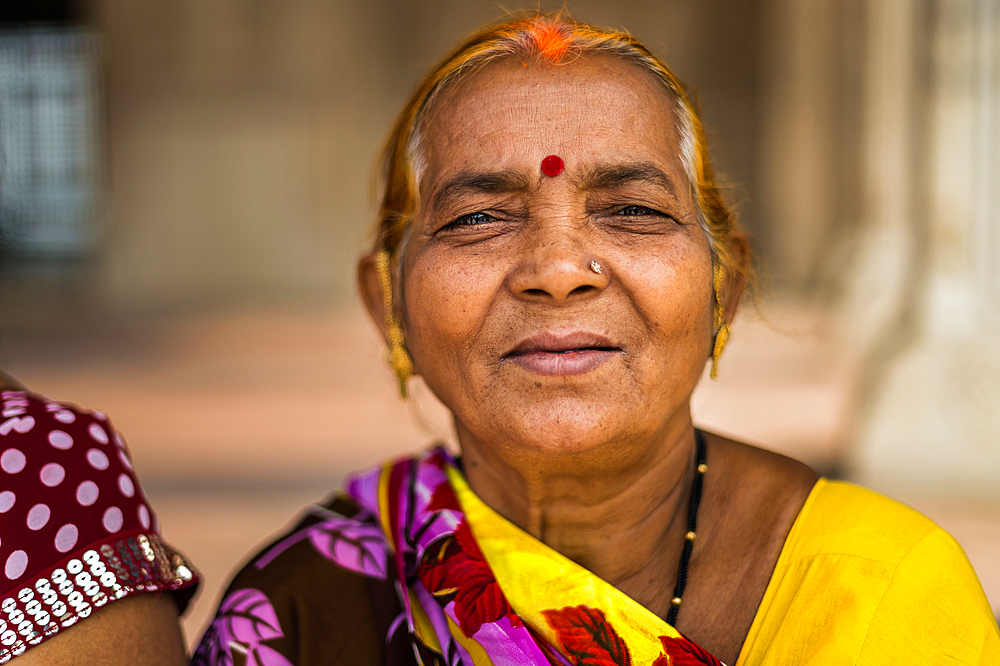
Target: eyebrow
(617, 175)
(506, 181)
(479, 181)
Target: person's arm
(139, 630)
(933, 610)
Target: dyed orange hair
(554, 38)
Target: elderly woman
(554, 259)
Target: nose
(557, 266)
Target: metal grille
(49, 139)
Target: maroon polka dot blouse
(76, 530)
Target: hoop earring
(721, 327)
(397, 355)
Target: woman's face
(504, 316)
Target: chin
(566, 429)
(563, 444)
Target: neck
(619, 510)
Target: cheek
(672, 288)
(445, 304)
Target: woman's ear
(736, 283)
(371, 292)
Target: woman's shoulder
(822, 514)
(301, 564)
(305, 605)
(865, 579)
(77, 529)
(841, 517)
(819, 515)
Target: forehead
(511, 114)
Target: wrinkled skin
(500, 254)
(475, 286)
(570, 388)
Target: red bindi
(552, 166)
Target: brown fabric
(329, 616)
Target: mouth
(562, 354)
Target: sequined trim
(114, 569)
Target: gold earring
(398, 357)
(721, 327)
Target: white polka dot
(125, 485)
(97, 432)
(97, 459)
(144, 516)
(99, 414)
(21, 424)
(38, 517)
(125, 461)
(52, 474)
(87, 492)
(113, 519)
(7, 499)
(66, 537)
(12, 461)
(16, 564)
(65, 416)
(60, 439)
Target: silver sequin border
(79, 585)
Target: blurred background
(186, 189)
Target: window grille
(49, 152)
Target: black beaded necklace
(682, 569)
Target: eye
(471, 220)
(637, 211)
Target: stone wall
(928, 402)
(241, 135)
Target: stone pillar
(930, 402)
(812, 53)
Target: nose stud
(596, 267)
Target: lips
(562, 354)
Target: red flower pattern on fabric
(590, 640)
(443, 498)
(458, 567)
(682, 652)
(587, 637)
